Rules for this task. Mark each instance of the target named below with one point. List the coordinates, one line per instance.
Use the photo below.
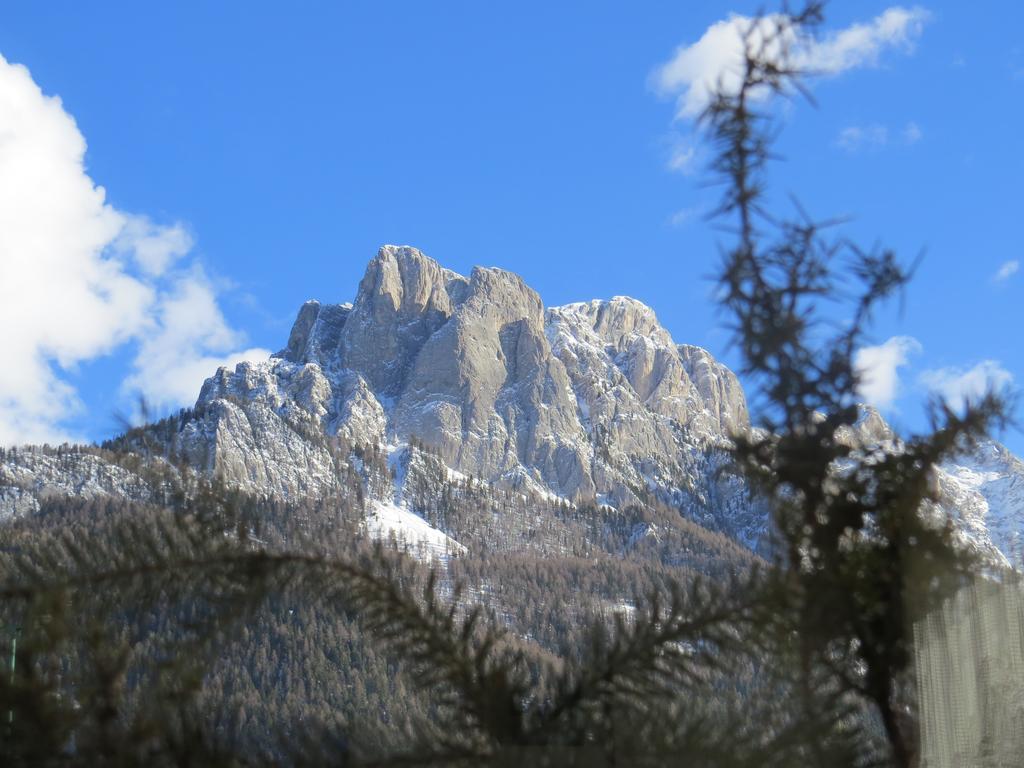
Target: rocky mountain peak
(588, 400)
(511, 299)
(870, 428)
(316, 334)
(403, 298)
(401, 280)
(618, 321)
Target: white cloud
(861, 44)
(153, 247)
(878, 368)
(189, 339)
(873, 136)
(695, 70)
(1006, 270)
(958, 386)
(684, 216)
(855, 138)
(78, 278)
(912, 133)
(682, 158)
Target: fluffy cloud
(78, 278)
(958, 386)
(695, 70)
(1006, 271)
(878, 368)
(178, 351)
(153, 247)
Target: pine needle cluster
(654, 690)
(858, 559)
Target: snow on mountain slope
(386, 520)
(984, 490)
(31, 474)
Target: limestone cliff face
(486, 392)
(583, 401)
(404, 298)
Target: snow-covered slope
(31, 474)
(387, 520)
(984, 491)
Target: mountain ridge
(588, 403)
(503, 389)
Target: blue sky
(256, 155)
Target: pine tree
(858, 559)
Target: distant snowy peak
(981, 489)
(984, 490)
(617, 322)
(619, 346)
(584, 401)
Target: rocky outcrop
(983, 491)
(586, 401)
(32, 474)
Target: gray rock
(586, 401)
(590, 400)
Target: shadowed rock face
(586, 400)
(404, 298)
